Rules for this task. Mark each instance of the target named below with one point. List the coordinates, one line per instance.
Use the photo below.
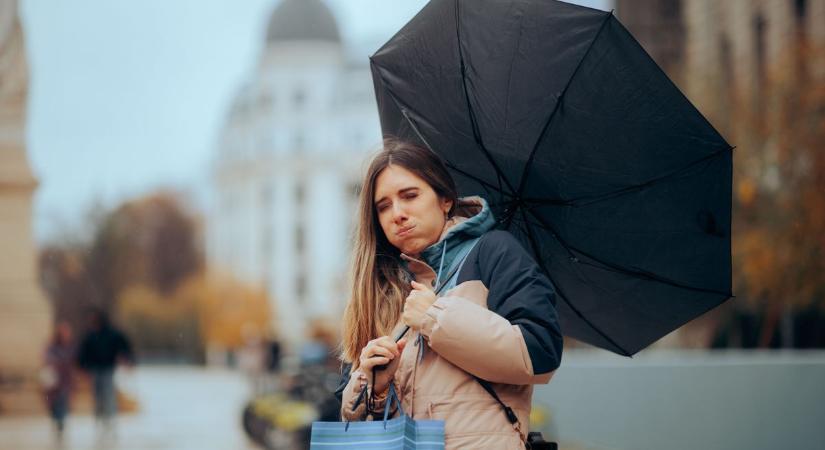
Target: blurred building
(721, 53)
(24, 312)
(288, 166)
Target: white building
(288, 166)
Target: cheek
(385, 227)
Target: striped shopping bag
(401, 433)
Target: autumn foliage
(779, 209)
(145, 265)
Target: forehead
(395, 178)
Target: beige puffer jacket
(463, 338)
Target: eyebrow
(400, 191)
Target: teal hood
(472, 218)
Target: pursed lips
(404, 231)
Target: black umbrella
(587, 152)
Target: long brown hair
(378, 286)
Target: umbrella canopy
(587, 152)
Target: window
(800, 11)
(760, 51)
(266, 195)
(759, 29)
(800, 8)
(300, 240)
(298, 98)
(300, 194)
(301, 287)
(670, 9)
(298, 141)
(726, 87)
(265, 102)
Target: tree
(779, 245)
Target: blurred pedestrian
(56, 375)
(101, 349)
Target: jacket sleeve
(507, 333)
(349, 388)
(83, 354)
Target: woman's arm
(348, 391)
(517, 340)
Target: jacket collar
(472, 218)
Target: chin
(410, 248)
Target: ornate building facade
(288, 166)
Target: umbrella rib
(471, 176)
(473, 122)
(615, 268)
(405, 113)
(561, 294)
(409, 120)
(589, 200)
(546, 127)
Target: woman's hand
(416, 305)
(377, 352)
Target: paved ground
(181, 408)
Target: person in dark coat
(100, 351)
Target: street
(180, 408)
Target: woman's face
(409, 211)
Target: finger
(418, 286)
(377, 361)
(376, 342)
(369, 349)
(382, 351)
(390, 346)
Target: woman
(57, 374)
(498, 323)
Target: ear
(446, 205)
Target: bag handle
(391, 396)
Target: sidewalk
(180, 408)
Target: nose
(399, 216)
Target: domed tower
(302, 30)
(302, 21)
(288, 165)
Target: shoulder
(499, 237)
(496, 244)
(498, 254)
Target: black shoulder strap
(511, 416)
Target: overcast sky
(128, 97)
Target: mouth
(404, 231)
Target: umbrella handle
(402, 333)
